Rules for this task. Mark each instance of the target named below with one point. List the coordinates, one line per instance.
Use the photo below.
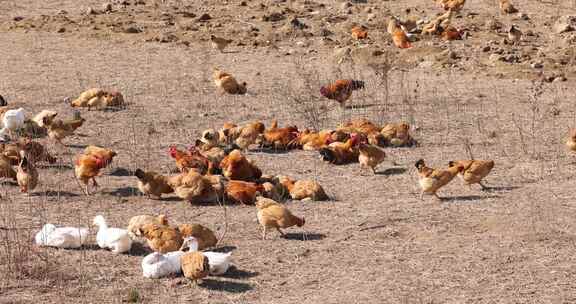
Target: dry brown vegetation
(375, 242)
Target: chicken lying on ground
(152, 184)
(160, 238)
(88, 165)
(241, 192)
(136, 222)
(473, 170)
(227, 83)
(312, 141)
(59, 129)
(341, 153)
(242, 136)
(197, 188)
(365, 127)
(237, 167)
(431, 180)
(506, 7)
(6, 170)
(98, 98)
(341, 90)
(191, 159)
(437, 26)
(303, 189)
(205, 237)
(278, 138)
(397, 135)
(35, 151)
(274, 215)
(359, 32)
(26, 175)
(571, 141)
(370, 156)
(195, 265)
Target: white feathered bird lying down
(115, 239)
(157, 265)
(61, 237)
(12, 121)
(219, 262)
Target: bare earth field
(375, 241)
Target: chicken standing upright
(219, 43)
(59, 129)
(514, 34)
(26, 175)
(274, 215)
(431, 180)
(473, 170)
(152, 184)
(370, 156)
(341, 90)
(89, 164)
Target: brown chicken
(451, 33)
(454, 5)
(359, 32)
(473, 170)
(341, 90)
(370, 156)
(365, 127)
(186, 160)
(89, 164)
(59, 129)
(137, 222)
(6, 170)
(506, 7)
(35, 151)
(196, 188)
(152, 184)
(303, 189)
(397, 135)
(205, 237)
(227, 83)
(571, 141)
(437, 26)
(237, 167)
(274, 215)
(241, 192)
(242, 136)
(341, 153)
(98, 98)
(26, 175)
(278, 138)
(219, 43)
(160, 238)
(195, 266)
(431, 180)
(312, 141)
(399, 37)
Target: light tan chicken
(137, 222)
(205, 237)
(436, 26)
(98, 98)
(152, 184)
(455, 5)
(47, 115)
(506, 7)
(161, 238)
(59, 129)
(274, 215)
(88, 165)
(196, 188)
(242, 136)
(6, 170)
(397, 135)
(370, 156)
(227, 83)
(219, 43)
(431, 180)
(303, 189)
(473, 170)
(571, 141)
(26, 175)
(195, 266)
(237, 167)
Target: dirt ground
(375, 241)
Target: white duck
(13, 120)
(219, 262)
(61, 237)
(157, 265)
(115, 239)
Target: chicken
(397, 135)
(205, 237)
(219, 262)
(98, 98)
(236, 167)
(341, 153)
(26, 175)
(341, 90)
(44, 115)
(6, 170)
(437, 26)
(571, 141)
(160, 238)
(243, 192)
(152, 184)
(359, 32)
(35, 151)
(227, 83)
(196, 188)
(303, 189)
(365, 127)
(59, 129)
(274, 215)
(219, 43)
(506, 7)
(136, 222)
(312, 141)
(473, 170)
(195, 266)
(209, 139)
(455, 5)
(370, 156)
(514, 34)
(431, 180)
(186, 160)
(89, 164)
(451, 33)
(278, 138)
(399, 37)
(248, 134)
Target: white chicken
(61, 237)
(157, 265)
(219, 262)
(12, 120)
(115, 239)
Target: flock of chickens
(215, 169)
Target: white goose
(115, 239)
(61, 237)
(157, 265)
